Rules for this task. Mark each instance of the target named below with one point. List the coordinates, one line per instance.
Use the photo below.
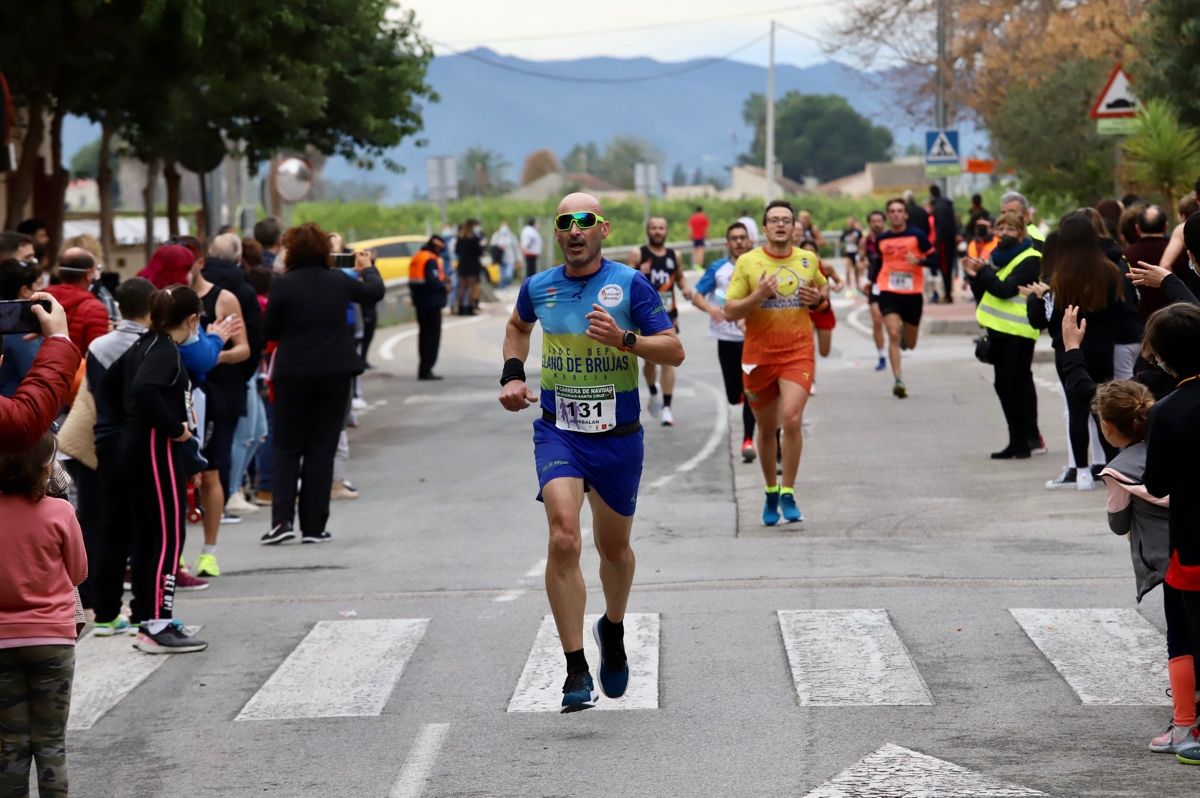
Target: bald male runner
(598, 317)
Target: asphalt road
(895, 625)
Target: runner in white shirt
(709, 296)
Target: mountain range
(692, 113)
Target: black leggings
(729, 354)
(310, 413)
(1012, 359)
(157, 492)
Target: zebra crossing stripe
(340, 669)
(842, 658)
(540, 687)
(106, 670)
(1107, 656)
(897, 771)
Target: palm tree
(1163, 155)
(484, 171)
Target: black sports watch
(628, 340)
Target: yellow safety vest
(1035, 232)
(1007, 315)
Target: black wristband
(514, 369)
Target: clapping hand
(226, 328)
(1147, 274)
(1033, 289)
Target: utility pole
(769, 166)
(942, 120)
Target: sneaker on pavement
(614, 667)
(171, 640)
(277, 534)
(206, 565)
(899, 391)
(320, 537)
(668, 419)
(358, 403)
(1064, 480)
(882, 364)
(654, 406)
(1189, 755)
(1175, 739)
(262, 498)
(1038, 446)
(185, 582)
(787, 503)
(1084, 480)
(579, 692)
(118, 626)
(238, 504)
(748, 453)
(228, 520)
(770, 514)
(341, 490)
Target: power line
(582, 79)
(654, 25)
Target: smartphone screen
(16, 316)
(343, 260)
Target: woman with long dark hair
(468, 247)
(1079, 274)
(153, 387)
(311, 374)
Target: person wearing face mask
(982, 244)
(1001, 311)
(151, 384)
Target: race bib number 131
(585, 408)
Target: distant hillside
(694, 118)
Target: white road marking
(842, 658)
(424, 752)
(340, 669)
(538, 569)
(1107, 656)
(509, 595)
(387, 348)
(895, 771)
(718, 434)
(106, 670)
(1051, 385)
(540, 687)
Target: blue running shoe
(771, 509)
(614, 678)
(881, 365)
(787, 502)
(579, 692)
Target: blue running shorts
(612, 464)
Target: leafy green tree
(620, 156)
(1168, 60)
(582, 158)
(815, 134)
(1044, 132)
(1163, 155)
(482, 172)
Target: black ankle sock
(576, 661)
(666, 400)
(616, 629)
(653, 389)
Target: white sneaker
(668, 420)
(358, 403)
(1175, 739)
(238, 504)
(1064, 480)
(654, 406)
(226, 518)
(1084, 479)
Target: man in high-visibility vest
(1016, 202)
(1001, 311)
(428, 290)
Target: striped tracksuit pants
(157, 493)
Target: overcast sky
(670, 30)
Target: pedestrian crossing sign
(941, 147)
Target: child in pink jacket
(43, 560)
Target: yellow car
(392, 254)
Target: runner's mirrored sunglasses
(584, 220)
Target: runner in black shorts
(662, 266)
(901, 283)
(873, 261)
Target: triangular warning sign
(893, 770)
(1117, 100)
(941, 151)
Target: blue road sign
(941, 147)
